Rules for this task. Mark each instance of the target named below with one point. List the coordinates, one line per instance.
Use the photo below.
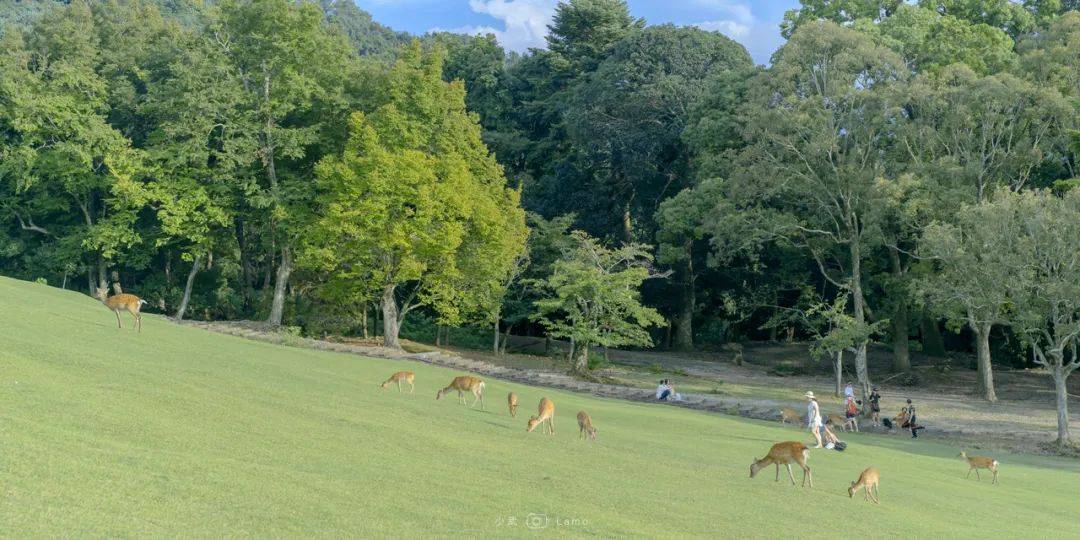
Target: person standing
(875, 406)
(813, 418)
(909, 412)
(849, 391)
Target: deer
(129, 302)
(980, 462)
(867, 480)
(462, 384)
(842, 422)
(785, 453)
(399, 377)
(546, 417)
(585, 426)
(511, 401)
(787, 414)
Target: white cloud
(524, 21)
(741, 13)
(731, 29)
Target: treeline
(898, 169)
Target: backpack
(840, 446)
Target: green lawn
(182, 432)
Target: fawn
(842, 422)
(399, 377)
(546, 417)
(462, 384)
(785, 453)
(585, 426)
(980, 462)
(787, 414)
(129, 302)
(511, 401)
(867, 480)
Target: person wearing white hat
(813, 418)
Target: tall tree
(416, 206)
(819, 124)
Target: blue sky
(520, 24)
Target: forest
(902, 173)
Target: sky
(521, 24)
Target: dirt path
(1022, 426)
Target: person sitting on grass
(664, 391)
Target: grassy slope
(176, 430)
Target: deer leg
(412, 388)
(806, 474)
(777, 472)
(792, 476)
(969, 472)
(995, 476)
(138, 319)
(977, 477)
(118, 323)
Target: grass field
(182, 432)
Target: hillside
(176, 430)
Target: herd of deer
(545, 412)
(784, 453)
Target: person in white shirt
(813, 418)
(663, 391)
(849, 391)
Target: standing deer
(546, 417)
(511, 401)
(399, 377)
(785, 453)
(585, 426)
(129, 302)
(980, 462)
(867, 480)
(462, 384)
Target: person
(875, 406)
(663, 391)
(849, 391)
(910, 420)
(813, 418)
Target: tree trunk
(581, 358)
(901, 353)
(187, 287)
(547, 344)
(390, 318)
(364, 325)
(1062, 392)
(986, 369)
(277, 307)
(859, 303)
(438, 335)
(495, 344)
(838, 368)
(102, 279)
(684, 337)
(932, 342)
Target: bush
(597, 361)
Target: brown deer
(546, 417)
(399, 377)
(787, 414)
(511, 401)
(785, 453)
(128, 302)
(867, 480)
(462, 384)
(842, 422)
(980, 462)
(585, 426)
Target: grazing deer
(980, 462)
(585, 425)
(511, 401)
(842, 422)
(462, 384)
(787, 414)
(129, 302)
(785, 453)
(546, 417)
(399, 377)
(867, 480)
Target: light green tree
(416, 207)
(593, 298)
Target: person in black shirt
(875, 406)
(909, 412)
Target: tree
(1007, 15)
(819, 124)
(844, 12)
(1046, 285)
(293, 74)
(584, 31)
(416, 202)
(593, 298)
(627, 119)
